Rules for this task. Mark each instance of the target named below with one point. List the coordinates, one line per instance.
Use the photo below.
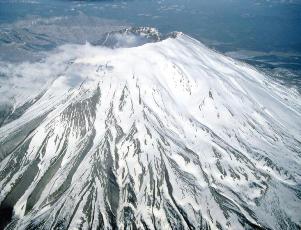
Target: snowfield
(164, 135)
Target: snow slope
(165, 135)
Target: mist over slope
(164, 135)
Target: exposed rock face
(167, 135)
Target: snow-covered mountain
(164, 135)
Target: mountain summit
(164, 135)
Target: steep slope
(166, 135)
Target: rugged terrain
(164, 135)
